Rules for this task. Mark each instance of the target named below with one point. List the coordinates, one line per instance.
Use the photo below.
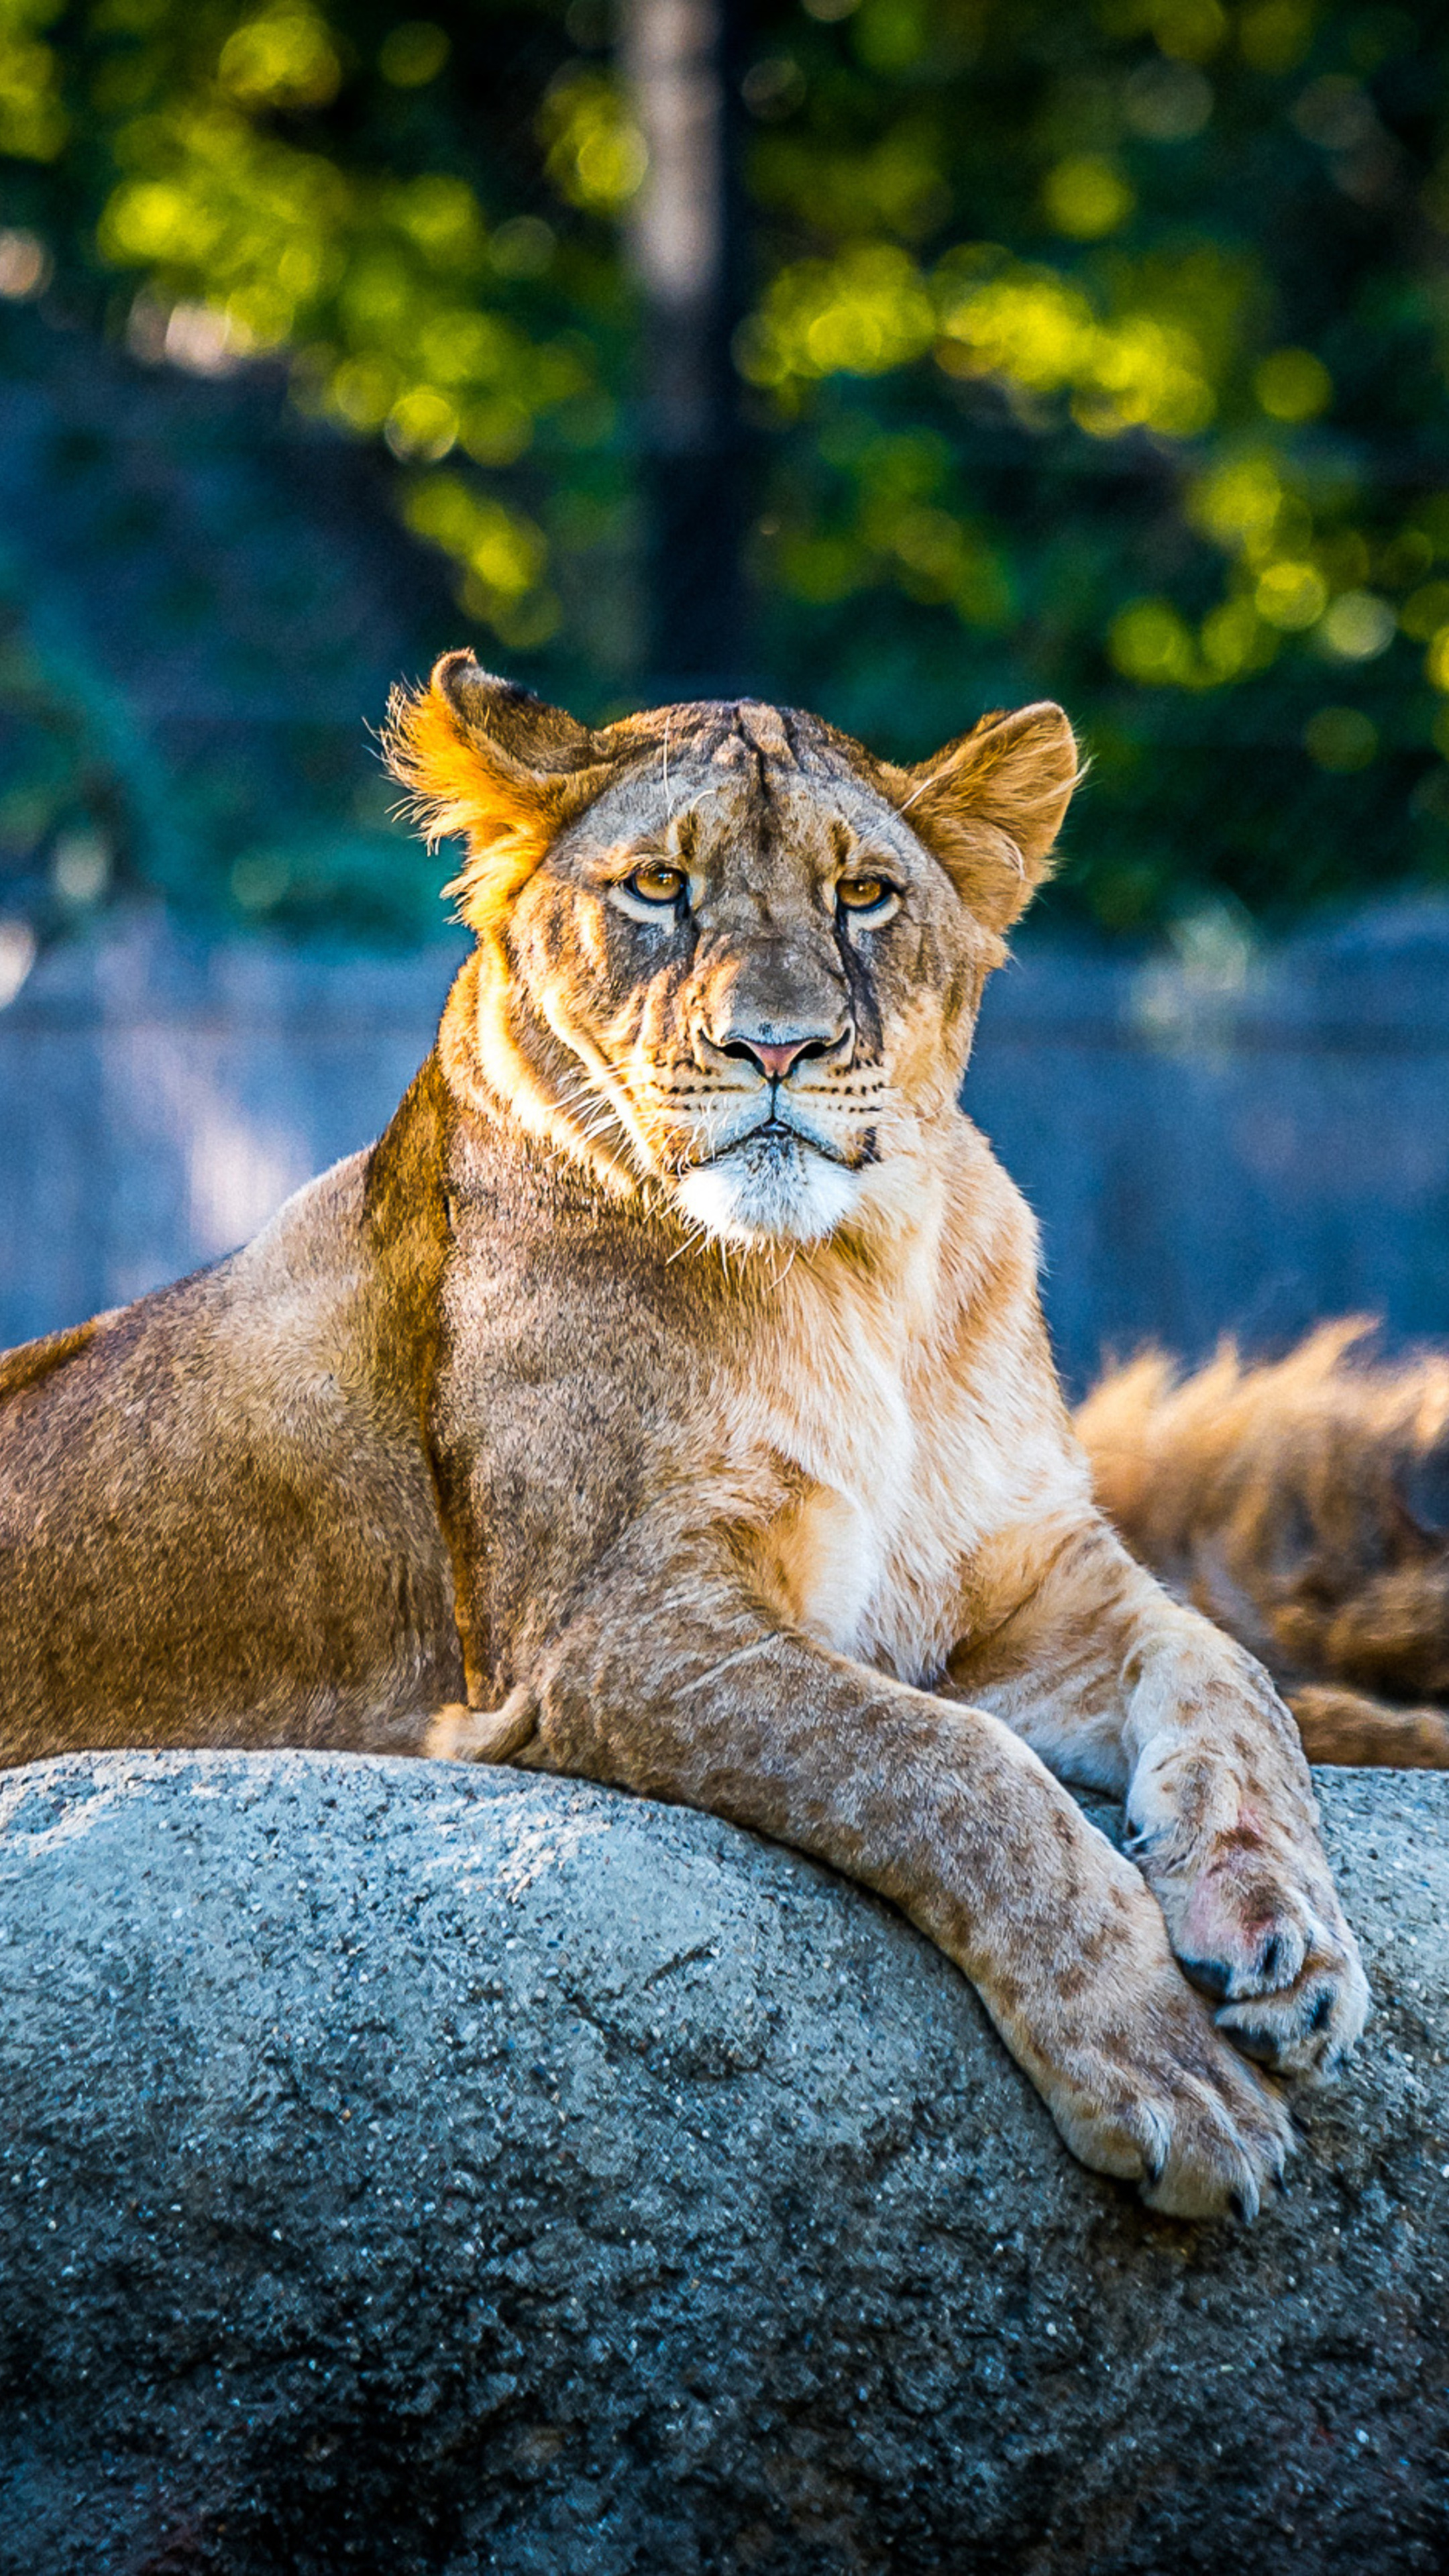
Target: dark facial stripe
(865, 1010)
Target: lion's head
(725, 949)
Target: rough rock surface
(419, 2169)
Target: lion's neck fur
(502, 1062)
(865, 1376)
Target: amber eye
(657, 882)
(863, 894)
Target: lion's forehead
(752, 810)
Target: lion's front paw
(1255, 1922)
(1166, 2104)
(1306, 2007)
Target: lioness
(665, 1399)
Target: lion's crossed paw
(1305, 2029)
(1256, 1926)
(1140, 2081)
(1177, 2111)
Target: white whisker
(933, 781)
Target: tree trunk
(685, 243)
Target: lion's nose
(775, 1056)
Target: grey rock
(412, 2168)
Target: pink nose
(774, 1056)
(774, 1061)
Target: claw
(1210, 1976)
(1260, 2045)
(1246, 2201)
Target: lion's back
(216, 1515)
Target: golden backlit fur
(1304, 1504)
(665, 1399)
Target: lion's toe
(1193, 2125)
(1304, 2031)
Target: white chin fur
(769, 1193)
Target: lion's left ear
(991, 804)
(485, 758)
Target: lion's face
(733, 943)
(761, 970)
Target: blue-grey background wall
(1228, 1140)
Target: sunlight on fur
(488, 1445)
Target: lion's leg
(671, 1682)
(1339, 1725)
(1112, 1680)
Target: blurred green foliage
(1103, 350)
(1096, 348)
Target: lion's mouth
(780, 1135)
(775, 1183)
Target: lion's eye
(863, 894)
(657, 883)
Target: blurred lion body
(1302, 1503)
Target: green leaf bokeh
(1093, 351)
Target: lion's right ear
(484, 758)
